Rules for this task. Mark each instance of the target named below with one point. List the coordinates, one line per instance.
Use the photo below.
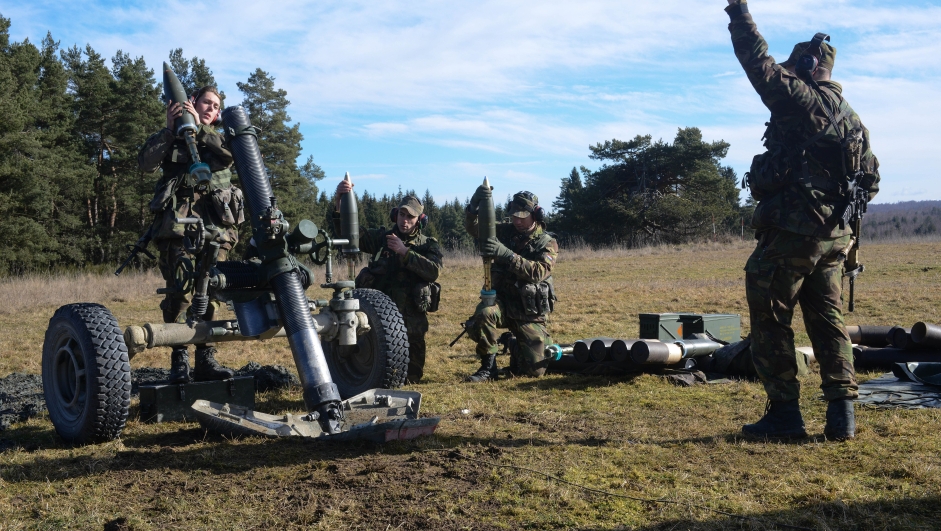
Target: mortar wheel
(382, 359)
(86, 377)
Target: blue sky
(437, 94)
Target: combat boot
(487, 371)
(841, 420)
(782, 420)
(207, 368)
(179, 366)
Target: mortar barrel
(901, 337)
(598, 350)
(620, 350)
(320, 393)
(926, 335)
(655, 353)
(870, 336)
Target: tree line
(72, 195)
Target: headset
(807, 63)
(422, 218)
(538, 213)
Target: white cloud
(530, 83)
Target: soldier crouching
(404, 265)
(523, 255)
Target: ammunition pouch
(229, 205)
(769, 174)
(164, 194)
(427, 296)
(537, 298)
(365, 279)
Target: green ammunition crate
(661, 326)
(172, 402)
(727, 327)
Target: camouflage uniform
(801, 187)
(221, 206)
(525, 296)
(409, 281)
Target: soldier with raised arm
(818, 160)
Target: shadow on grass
(903, 513)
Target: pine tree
(280, 146)
(192, 73)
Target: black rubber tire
(382, 360)
(86, 375)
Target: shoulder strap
(832, 121)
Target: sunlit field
(561, 452)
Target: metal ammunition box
(661, 326)
(172, 402)
(727, 327)
(674, 326)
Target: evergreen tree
(193, 73)
(652, 191)
(280, 146)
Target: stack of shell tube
(921, 343)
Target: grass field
(561, 452)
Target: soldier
(220, 205)
(817, 157)
(523, 255)
(404, 265)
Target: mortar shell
(656, 353)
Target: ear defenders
(394, 218)
(807, 63)
(538, 213)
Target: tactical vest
(385, 273)
(525, 301)
(825, 160)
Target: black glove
(479, 194)
(492, 248)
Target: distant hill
(904, 206)
(906, 219)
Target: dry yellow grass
(635, 437)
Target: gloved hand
(492, 248)
(478, 196)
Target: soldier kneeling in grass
(523, 254)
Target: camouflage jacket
(529, 271)
(811, 204)
(405, 279)
(221, 207)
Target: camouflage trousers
(175, 303)
(416, 325)
(531, 338)
(784, 270)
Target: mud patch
(20, 398)
(269, 377)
